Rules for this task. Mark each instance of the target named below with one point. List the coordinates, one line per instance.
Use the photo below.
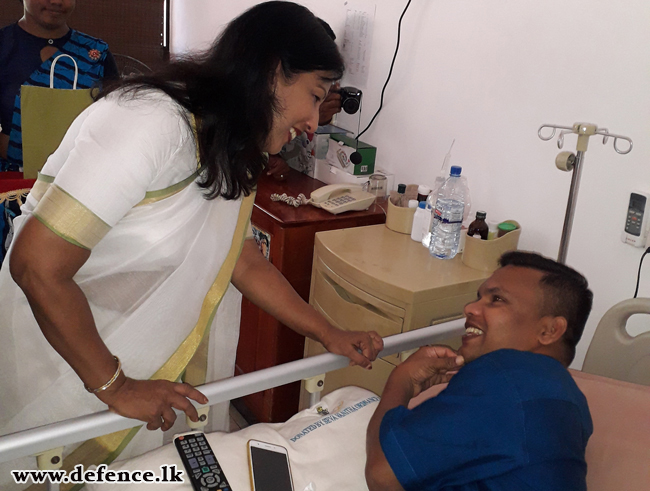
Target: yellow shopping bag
(46, 115)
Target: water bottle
(448, 216)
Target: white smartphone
(269, 467)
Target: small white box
(340, 150)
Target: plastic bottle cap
(507, 227)
(424, 190)
(413, 203)
(455, 170)
(422, 204)
(401, 188)
(481, 215)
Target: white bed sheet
(326, 449)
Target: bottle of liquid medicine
(479, 227)
(423, 192)
(420, 222)
(448, 216)
(401, 197)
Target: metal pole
(38, 440)
(570, 208)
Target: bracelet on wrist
(110, 382)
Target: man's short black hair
(566, 293)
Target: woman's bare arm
(262, 283)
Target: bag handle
(76, 71)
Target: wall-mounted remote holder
(636, 219)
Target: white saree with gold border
(122, 185)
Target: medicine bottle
(401, 197)
(423, 192)
(504, 228)
(420, 221)
(479, 227)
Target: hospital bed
(326, 442)
(49, 440)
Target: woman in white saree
(127, 255)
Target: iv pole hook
(584, 131)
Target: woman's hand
(152, 401)
(261, 283)
(361, 347)
(277, 168)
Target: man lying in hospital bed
(513, 417)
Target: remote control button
(193, 463)
(181, 437)
(210, 460)
(205, 469)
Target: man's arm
(379, 475)
(429, 366)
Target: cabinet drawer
(351, 308)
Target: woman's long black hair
(230, 88)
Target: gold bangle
(110, 382)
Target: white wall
(488, 73)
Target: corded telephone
(337, 198)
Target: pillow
(326, 446)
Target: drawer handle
(346, 296)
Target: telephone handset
(337, 198)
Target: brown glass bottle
(478, 226)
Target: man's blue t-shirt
(509, 420)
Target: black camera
(350, 99)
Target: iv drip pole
(568, 161)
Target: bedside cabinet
(371, 278)
(263, 341)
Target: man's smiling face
(506, 314)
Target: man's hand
(361, 347)
(152, 401)
(429, 366)
(330, 106)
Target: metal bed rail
(38, 440)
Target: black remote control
(199, 460)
